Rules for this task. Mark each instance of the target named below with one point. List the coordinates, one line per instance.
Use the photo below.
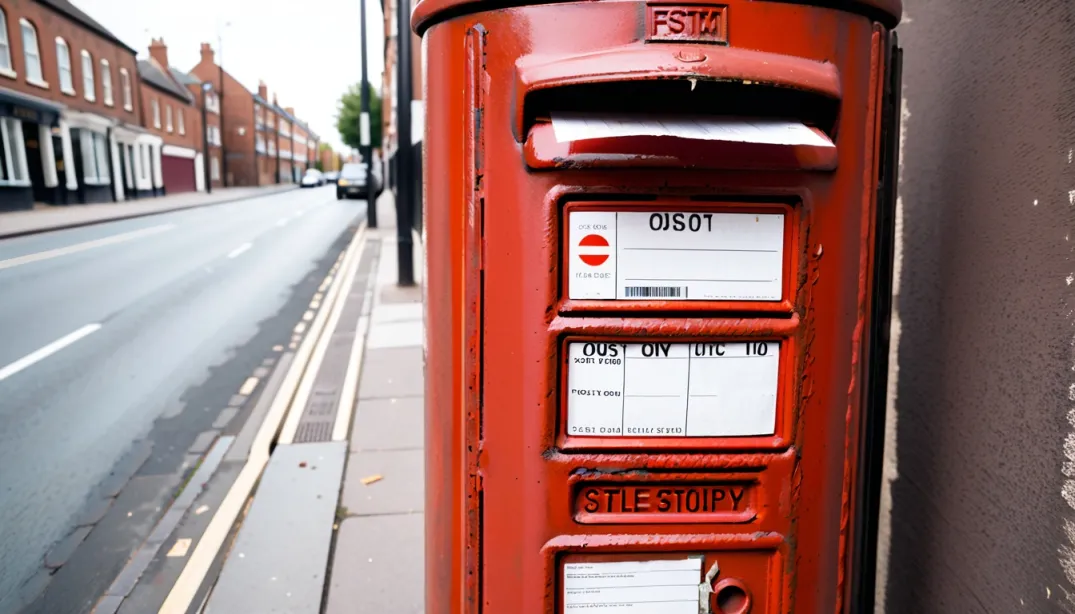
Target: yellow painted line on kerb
(201, 558)
(81, 247)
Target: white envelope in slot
(568, 127)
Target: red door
(178, 174)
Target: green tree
(350, 110)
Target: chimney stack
(207, 53)
(290, 110)
(159, 52)
(263, 90)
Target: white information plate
(633, 587)
(662, 389)
(675, 255)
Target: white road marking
(47, 351)
(238, 251)
(282, 222)
(81, 247)
(300, 213)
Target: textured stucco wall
(983, 405)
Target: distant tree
(350, 110)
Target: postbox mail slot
(665, 389)
(677, 78)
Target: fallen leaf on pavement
(201, 510)
(370, 479)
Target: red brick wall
(238, 114)
(192, 139)
(49, 25)
(211, 119)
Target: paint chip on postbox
(711, 389)
(662, 586)
(675, 255)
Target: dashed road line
(238, 251)
(81, 247)
(47, 351)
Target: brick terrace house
(236, 121)
(209, 99)
(168, 111)
(283, 143)
(268, 164)
(70, 128)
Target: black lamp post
(206, 86)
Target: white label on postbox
(675, 255)
(633, 587)
(720, 389)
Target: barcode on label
(653, 292)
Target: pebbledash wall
(982, 446)
(67, 107)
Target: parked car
(352, 181)
(312, 179)
(331, 176)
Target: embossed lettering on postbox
(731, 502)
(687, 23)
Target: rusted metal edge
(428, 13)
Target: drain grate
(319, 416)
(311, 431)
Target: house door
(31, 136)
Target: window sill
(41, 84)
(69, 91)
(128, 108)
(10, 74)
(109, 103)
(16, 183)
(97, 182)
(91, 98)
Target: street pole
(405, 152)
(364, 126)
(205, 139)
(220, 102)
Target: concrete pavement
(18, 223)
(295, 548)
(378, 559)
(128, 346)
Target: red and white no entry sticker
(593, 249)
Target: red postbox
(658, 257)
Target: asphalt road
(106, 331)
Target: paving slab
(389, 424)
(399, 491)
(392, 372)
(278, 562)
(379, 566)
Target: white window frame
(106, 83)
(96, 158)
(125, 83)
(88, 82)
(182, 124)
(168, 118)
(214, 168)
(63, 67)
(156, 113)
(6, 67)
(11, 140)
(31, 54)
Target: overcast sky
(307, 53)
